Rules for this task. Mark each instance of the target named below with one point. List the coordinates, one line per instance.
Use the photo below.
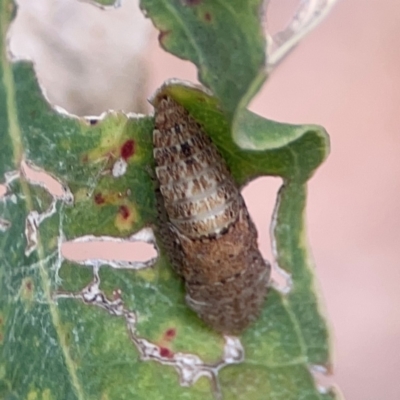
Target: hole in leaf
(88, 60)
(280, 14)
(43, 179)
(260, 197)
(108, 250)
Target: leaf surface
(112, 331)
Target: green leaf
(290, 151)
(137, 338)
(224, 39)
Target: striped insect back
(204, 225)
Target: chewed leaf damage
(188, 366)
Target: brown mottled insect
(205, 227)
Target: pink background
(345, 76)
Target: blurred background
(345, 76)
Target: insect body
(205, 227)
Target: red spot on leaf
(170, 334)
(28, 285)
(85, 158)
(164, 352)
(207, 16)
(99, 199)
(124, 211)
(127, 149)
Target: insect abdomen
(205, 226)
